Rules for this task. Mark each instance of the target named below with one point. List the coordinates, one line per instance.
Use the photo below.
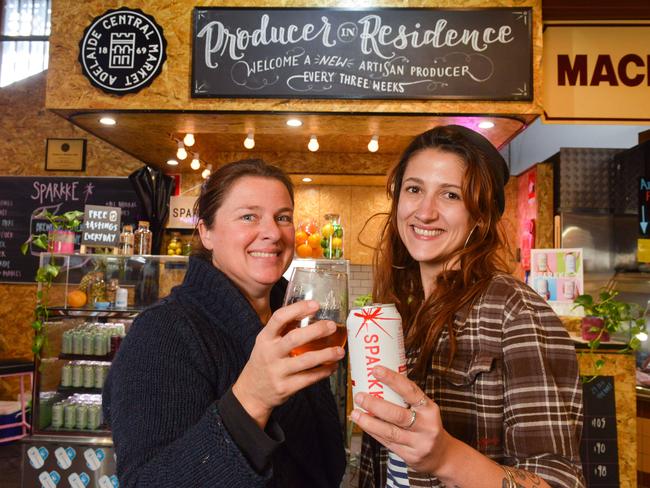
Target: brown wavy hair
(397, 275)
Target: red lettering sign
(604, 71)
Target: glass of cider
(330, 290)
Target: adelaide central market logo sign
(122, 51)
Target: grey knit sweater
(163, 392)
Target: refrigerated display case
(91, 303)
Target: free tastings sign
(122, 51)
(384, 53)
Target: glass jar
(308, 240)
(175, 246)
(126, 241)
(142, 238)
(332, 237)
(96, 288)
(111, 291)
(187, 247)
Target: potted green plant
(60, 239)
(69, 223)
(605, 316)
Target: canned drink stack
(375, 338)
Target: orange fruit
(304, 250)
(301, 237)
(317, 252)
(77, 298)
(314, 240)
(311, 228)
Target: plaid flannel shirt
(512, 392)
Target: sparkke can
(375, 338)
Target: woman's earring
(470, 235)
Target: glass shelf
(128, 313)
(147, 279)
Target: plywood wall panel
(509, 223)
(320, 162)
(26, 125)
(69, 89)
(371, 207)
(307, 204)
(544, 222)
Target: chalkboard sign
(387, 53)
(101, 226)
(598, 448)
(22, 198)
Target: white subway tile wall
(360, 281)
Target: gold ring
(413, 416)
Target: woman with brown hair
(495, 398)
(203, 391)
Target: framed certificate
(65, 155)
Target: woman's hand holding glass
(272, 374)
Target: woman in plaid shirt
(495, 399)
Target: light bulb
(313, 144)
(172, 162)
(206, 172)
(642, 336)
(196, 163)
(373, 145)
(249, 142)
(307, 179)
(107, 121)
(486, 124)
(188, 140)
(294, 122)
(181, 152)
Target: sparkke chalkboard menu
(22, 198)
(386, 53)
(598, 448)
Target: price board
(598, 447)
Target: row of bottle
(79, 411)
(93, 339)
(138, 242)
(84, 374)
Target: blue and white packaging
(49, 480)
(80, 480)
(106, 482)
(37, 456)
(94, 458)
(64, 456)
